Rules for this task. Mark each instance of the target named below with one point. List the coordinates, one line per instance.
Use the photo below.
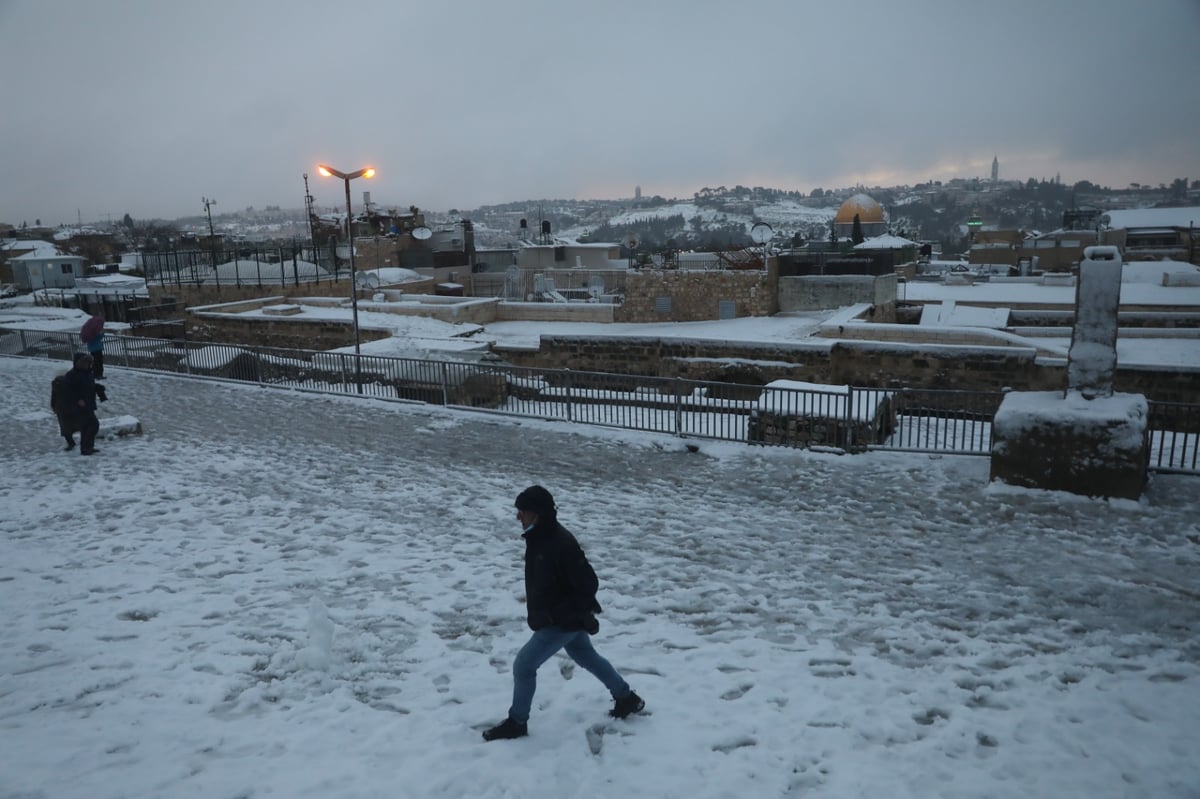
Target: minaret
(995, 169)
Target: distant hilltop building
(870, 217)
(995, 168)
(637, 192)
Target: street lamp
(212, 237)
(365, 172)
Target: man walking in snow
(80, 390)
(560, 599)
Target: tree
(856, 234)
(127, 222)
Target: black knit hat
(536, 499)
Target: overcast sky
(144, 106)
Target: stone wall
(285, 333)
(696, 295)
(818, 292)
(1160, 385)
(856, 363)
(189, 296)
(697, 359)
(555, 312)
(881, 365)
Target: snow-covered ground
(274, 593)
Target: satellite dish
(761, 233)
(421, 233)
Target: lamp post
(365, 172)
(212, 236)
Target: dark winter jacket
(560, 584)
(79, 385)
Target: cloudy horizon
(144, 108)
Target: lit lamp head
(330, 172)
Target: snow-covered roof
(561, 242)
(35, 245)
(42, 255)
(248, 268)
(1153, 271)
(885, 242)
(387, 276)
(1152, 218)
(110, 281)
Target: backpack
(60, 403)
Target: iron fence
(847, 419)
(245, 265)
(1175, 437)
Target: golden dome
(867, 209)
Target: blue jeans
(540, 648)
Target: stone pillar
(1093, 355)
(1085, 440)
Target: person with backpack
(560, 600)
(79, 393)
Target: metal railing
(1175, 437)
(259, 266)
(847, 419)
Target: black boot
(506, 729)
(626, 705)
(70, 444)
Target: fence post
(849, 430)
(567, 375)
(342, 362)
(445, 383)
(187, 351)
(678, 406)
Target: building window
(66, 269)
